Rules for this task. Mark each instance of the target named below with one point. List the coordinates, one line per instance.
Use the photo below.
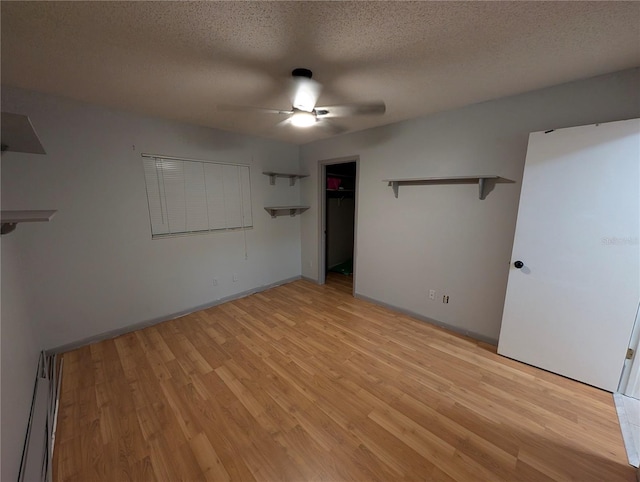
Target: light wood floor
(304, 382)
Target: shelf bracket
(274, 211)
(6, 228)
(272, 179)
(292, 177)
(394, 185)
(485, 186)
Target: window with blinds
(188, 196)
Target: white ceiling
(179, 60)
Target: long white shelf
(275, 211)
(18, 134)
(10, 219)
(484, 182)
(292, 177)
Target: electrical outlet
(445, 299)
(215, 281)
(310, 264)
(235, 277)
(432, 294)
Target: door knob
(518, 264)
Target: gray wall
(443, 237)
(94, 268)
(20, 348)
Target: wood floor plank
(307, 383)
(208, 459)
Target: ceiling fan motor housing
(301, 73)
(303, 113)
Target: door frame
(322, 215)
(630, 378)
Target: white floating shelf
(18, 134)
(10, 219)
(292, 177)
(483, 182)
(275, 211)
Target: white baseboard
(447, 326)
(144, 324)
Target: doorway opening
(338, 192)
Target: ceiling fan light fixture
(305, 100)
(303, 119)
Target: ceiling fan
(304, 112)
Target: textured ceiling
(179, 60)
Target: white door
(570, 308)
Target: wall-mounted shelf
(485, 183)
(18, 134)
(292, 177)
(10, 219)
(276, 211)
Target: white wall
(94, 268)
(20, 347)
(443, 237)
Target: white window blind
(190, 196)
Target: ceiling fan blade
(347, 110)
(248, 108)
(325, 125)
(305, 93)
(284, 123)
